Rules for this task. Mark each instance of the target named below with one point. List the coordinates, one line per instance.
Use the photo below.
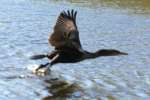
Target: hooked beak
(123, 53)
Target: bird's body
(65, 39)
(69, 57)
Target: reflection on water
(60, 90)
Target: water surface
(123, 24)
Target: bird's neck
(103, 52)
(90, 55)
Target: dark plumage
(65, 39)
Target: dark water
(119, 24)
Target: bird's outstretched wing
(65, 33)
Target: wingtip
(69, 13)
(63, 13)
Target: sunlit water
(124, 25)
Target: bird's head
(109, 52)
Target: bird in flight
(65, 39)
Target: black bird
(65, 39)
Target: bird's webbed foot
(43, 68)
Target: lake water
(103, 24)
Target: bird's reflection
(60, 89)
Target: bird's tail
(40, 56)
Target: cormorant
(65, 39)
